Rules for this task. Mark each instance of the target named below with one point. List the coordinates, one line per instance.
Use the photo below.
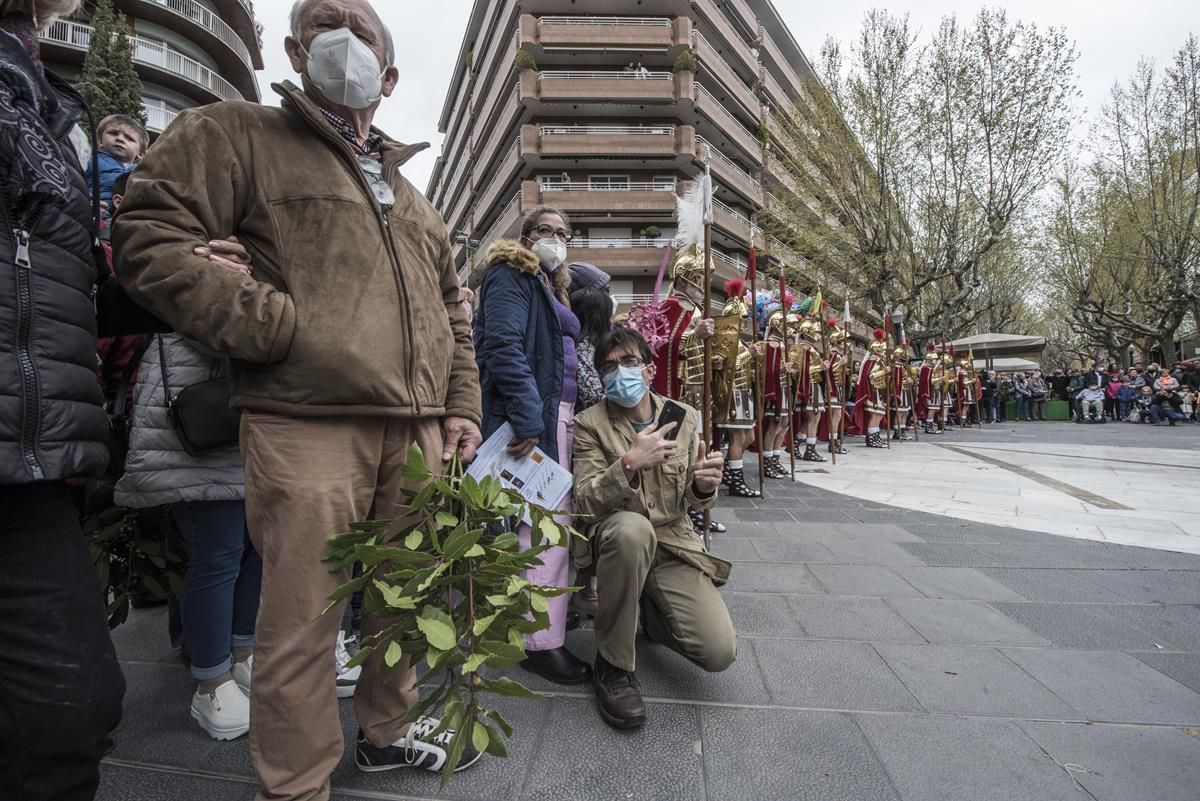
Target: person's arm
(462, 394)
(695, 498)
(602, 484)
(505, 305)
(189, 190)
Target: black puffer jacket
(52, 425)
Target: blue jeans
(220, 589)
(1022, 410)
(1159, 411)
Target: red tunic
(666, 361)
(924, 390)
(864, 393)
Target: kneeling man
(635, 478)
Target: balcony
(615, 86)
(727, 126)
(791, 80)
(736, 223)
(158, 118)
(620, 256)
(628, 199)
(662, 142)
(487, 193)
(730, 173)
(503, 227)
(169, 67)
(714, 63)
(731, 44)
(608, 34)
(211, 33)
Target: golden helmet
(931, 355)
(688, 265)
(878, 348)
(810, 330)
(775, 321)
(736, 304)
(947, 359)
(900, 352)
(839, 337)
(964, 363)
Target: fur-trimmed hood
(522, 259)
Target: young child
(1141, 409)
(1125, 397)
(121, 141)
(1189, 400)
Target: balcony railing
(628, 298)
(158, 118)
(154, 54)
(210, 22)
(733, 165)
(735, 214)
(586, 186)
(732, 125)
(502, 221)
(567, 75)
(649, 22)
(606, 242)
(724, 258)
(630, 130)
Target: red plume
(832, 322)
(879, 334)
(788, 297)
(752, 265)
(930, 348)
(735, 287)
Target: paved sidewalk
(884, 654)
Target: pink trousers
(556, 561)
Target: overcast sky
(1111, 37)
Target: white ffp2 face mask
(551, 252)
(343, 69)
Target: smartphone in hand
(671, 412)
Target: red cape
(857, 424)
(666, 361)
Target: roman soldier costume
(777, 383)
(929, 390)
(871, 389)
(903, 381)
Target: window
(664, 182)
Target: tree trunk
(1167, 343)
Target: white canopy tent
(1007, 365)
(992, 349)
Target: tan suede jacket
(349, 311)
(602, 435)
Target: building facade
(602, 114)
(187, 52)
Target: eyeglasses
(547, 231)
(632, 362)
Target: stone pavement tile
(488, 779)
(790, 551)
(949, 533)
(831, 675)
(871, 553)
(1079, 553)
(156, 723)
(874, 532)
(585, 762)
(1153, 558)
(1124, 762)
(665, 674)
(757, 615)
(1184, 668)
(121, 783)
(788, 502)
(1050, 585)
(821, 514)
(873, 581)
(783, 754)
(962, 623)
(1177, 625)
(842, 618)
(740, 529)
(144, 637)
(1108, 686)
(948, 554)
(956, 583)
(763, 515)
(735, 550)
(773, 577)
(1086, 627)
(879, 516)
(947, 759)
(972, 681)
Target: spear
(791, 394)
(828, 360)
(708, 271)
(912, 395)
(887, 382)
(752, 275)
(844, 370)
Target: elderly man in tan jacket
(635, 479)
(347, 342)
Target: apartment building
(601, 109)
(187, 52)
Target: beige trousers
(681, 607)
(306, 479)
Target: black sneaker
(414, 750)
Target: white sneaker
(241, 674)
(347, 678)
(224, 713)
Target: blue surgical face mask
(625, 386)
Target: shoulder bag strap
(162, 364)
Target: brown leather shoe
(585, 602)
(619, 696)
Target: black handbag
(200, 414)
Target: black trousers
(60, 683)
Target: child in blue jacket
(121, 142)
